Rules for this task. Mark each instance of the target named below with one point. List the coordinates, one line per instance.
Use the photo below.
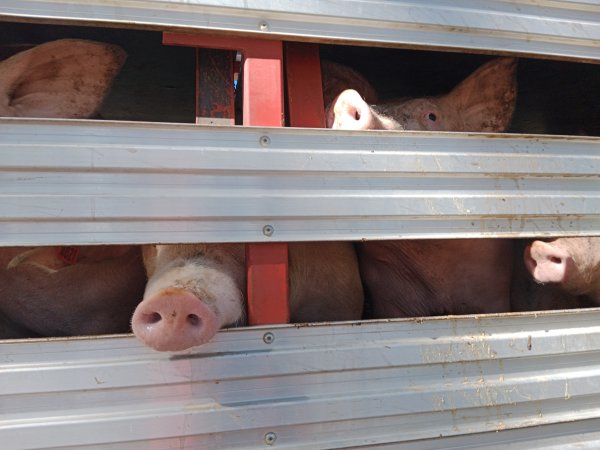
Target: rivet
(265, 141)
(270, 438)
(268, 338)
(268, 230)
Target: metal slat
(79, 182)
(473, 379)
(559, 28)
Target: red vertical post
(304, 86)
(263, 84)
(266, 263)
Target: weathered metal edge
(564, 29)
(331, 386)
(93, 182)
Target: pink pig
(435, 277)
(42, 292)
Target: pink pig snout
(174, 319)
(349, 112)
(547, 263)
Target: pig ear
(67, 78)
(486, 99)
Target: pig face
(573, 263)
(482, 102)
(193, 291)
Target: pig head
(434, 277)
(483, 102)
(194, 290)
(40, 293)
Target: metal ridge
(554, 28)
(78, 182)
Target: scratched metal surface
(92, 182)
(556, 28)
(515, 380)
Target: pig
(94, 295)
(407, 278)
(570, 263)
(194, 290)
(96, 288)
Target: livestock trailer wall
(527, 380)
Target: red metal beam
(304, 87)
(266, 263)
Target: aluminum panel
(559, 28)
(480, 381)
(88, 182)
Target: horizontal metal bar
(88, 182)
(314, 387)
(558, 28)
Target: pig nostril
(556, 260)
(357, 114)
(193, 320)
(154, 317)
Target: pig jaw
(185, 306)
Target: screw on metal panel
(268, 338)
(270, 438)
(264, 26)
(268, 230)
(265, 141)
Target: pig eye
(432, 117)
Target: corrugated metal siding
(562, 28)
(91, 182)
(516, 381)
